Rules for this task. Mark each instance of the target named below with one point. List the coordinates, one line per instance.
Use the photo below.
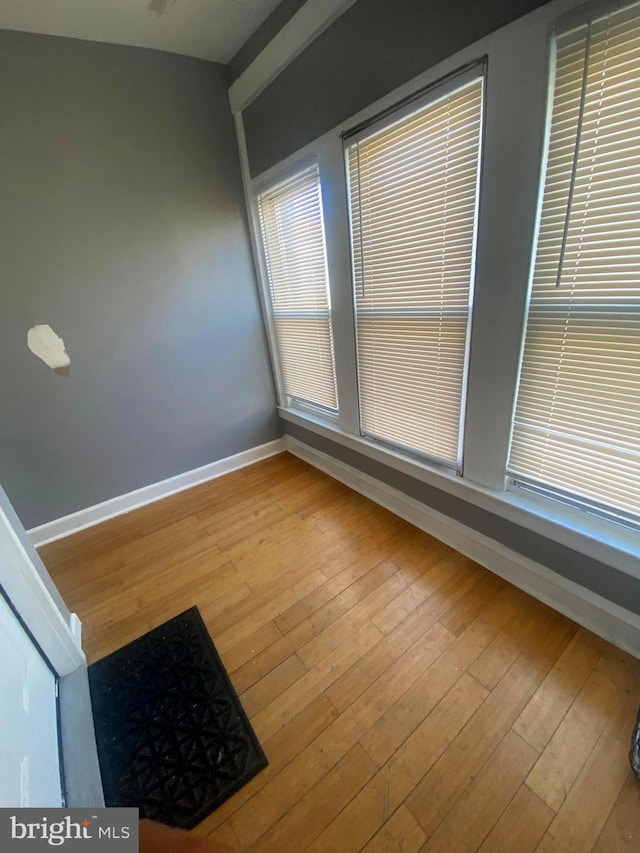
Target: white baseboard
(616, 624)
(98, 513)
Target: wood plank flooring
(407, 699)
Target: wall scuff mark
(160, 6)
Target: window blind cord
(576, 154)
(360, 217)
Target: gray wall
(615, 585)
(122, 225)
(375, 46)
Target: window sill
(600, 539)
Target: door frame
(58, 634)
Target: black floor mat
(172, 736)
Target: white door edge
(58, 640)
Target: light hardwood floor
(407, 699)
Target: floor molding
(616, 624)
(113, 507)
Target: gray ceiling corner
(206, 29)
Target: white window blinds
(294, 248)
(577, 420)
(413, 189)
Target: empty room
(320, 425)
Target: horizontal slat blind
(413, 189)
(577, 418)
(294, 248)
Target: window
(294, 249)
(576, 430)
(413, 187)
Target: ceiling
(209, 29)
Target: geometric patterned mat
(172, 736)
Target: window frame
(266, 184)
(435, 91)
(596, 515)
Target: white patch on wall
(43, 342)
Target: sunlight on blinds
(577, 419)
(413, 189)
(294, 247)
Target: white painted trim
(258, 256)
(122, 504)
(76, 629)
(616, 624)
(27, 592)
(306, 25)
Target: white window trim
(523, 46)
(255, 237)
(268, 181)
(588, 519)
